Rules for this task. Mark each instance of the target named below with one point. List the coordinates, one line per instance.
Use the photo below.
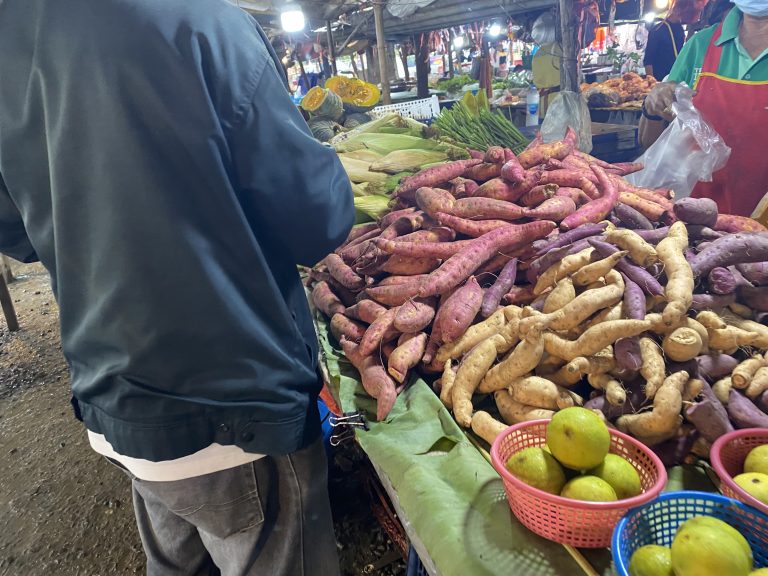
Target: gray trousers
(271, 517)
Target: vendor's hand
(659, 101)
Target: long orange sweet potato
(543, 152)
(459, 266)
(326, 301)
(473, 228)
(486, 209)
(434, 175)
(595, 210)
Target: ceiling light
(458, 42)
(650, 17)
(292, 18)
(494, 30)
(661, 4)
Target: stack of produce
(342, 104)
(754, 477)
(376, 155)
(660, 329)
(576, 463)
(471, 123)
(702, 546)
(628, 89)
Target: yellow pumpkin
(322, 103)
(338, 84)
(361, 96)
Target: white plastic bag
(568, 109)
(687, 152)
(404, 8)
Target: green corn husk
(374, 205)
(358, 171)
(406, 160)
(362, 154)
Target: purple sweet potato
(714, 302)
(756, 297)
(415, 315)
(459, 310)
(721, 281)
(712, 367)
(755, 272)
(633, 306)
(495, 188)
(555, 209)
(762, 401)
(698, 232)
(435, 175)
(519, 295)
(637, 274)
(343, 326)
(495, 293)
(701, 211)
(654, 236)
(627, 353)
(743, 412)
(672, 452)
(539, 265)
(376, 380)
(326, 301)
(570, 178)
(631, 218)
(566, 238)
(710, 417)
(731, 249)
(458, 267)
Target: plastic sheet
(687, 152)
(568, 109)
(404, 8)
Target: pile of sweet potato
(549, 281)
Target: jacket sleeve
(14, 241)
(294, 189)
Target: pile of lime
(575, 462)
(703, 546)
(754, 479)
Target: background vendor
(665, 40)
(727, 65)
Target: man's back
(151, 155)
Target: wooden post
(450, 53)
(372, 67)
(381, 46)
(7, 305)
(363, 68)
(331, 47)
(404, 58)
(353, 59)
(570, 25)
(422, 65)
(7, 272)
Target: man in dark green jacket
(152, 160)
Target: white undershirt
(213, 458)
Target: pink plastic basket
(580, 524)
(728, 454)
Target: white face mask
(756, 8)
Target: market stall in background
(522, 319)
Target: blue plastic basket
(657, 523)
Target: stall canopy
(347, 16)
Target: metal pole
(450, 53)
(381, 46)
(7, 304)
(570, 19)
(331, 47)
